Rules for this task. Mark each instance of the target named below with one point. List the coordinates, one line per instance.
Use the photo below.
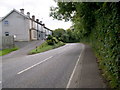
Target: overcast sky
(39, 8)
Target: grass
(6, 51)
(45, 47)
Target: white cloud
(39, 8)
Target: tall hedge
(98, 24)
(105, 39)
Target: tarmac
(87, 73)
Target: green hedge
(104, 37)
(106, 41)
(52, 40)
(97, 23)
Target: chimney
(41, 22)
(28, 14)
(33, 17)
(22, 11)
(37, 20)
(43, 25)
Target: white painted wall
(33, 32)
(34, 35)
(39, 27)
(0, 28)
(30, 23)
(0, 34)
(17, 25)
(50, 32)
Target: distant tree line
(65, 36)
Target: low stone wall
(6, 42)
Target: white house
(0, 34)
(0, 27)
(22, 27)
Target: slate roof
(14, 10)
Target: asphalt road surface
(50, 69)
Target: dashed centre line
(34, 65)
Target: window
(6, 33)
(6, 22)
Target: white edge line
(74, 69)
(34, 65)
(0, 82)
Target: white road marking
(0, 82)
(34, 65)
(68, 85)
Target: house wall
(44, 32)
(0, 34)
(16, 25)
(50, 32)
(37, 27)
(34, 34)
(40, 29)
(33, 30)
(0, 28)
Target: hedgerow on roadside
(97, 23)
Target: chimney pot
(22, 11)
(41, 22)
(33, 17)
(28, 14)
(37, 20)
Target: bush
(55, 40)
(49, 37)
(52, 40)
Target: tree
(70, 35)
(58, 33)
(64, 11)
(81, 14)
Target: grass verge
(45, 47)
(6, 51)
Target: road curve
(50, 69)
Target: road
(50, 69)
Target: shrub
(55, 40)
(52, 40)
(49, 37)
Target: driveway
(24, 48)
